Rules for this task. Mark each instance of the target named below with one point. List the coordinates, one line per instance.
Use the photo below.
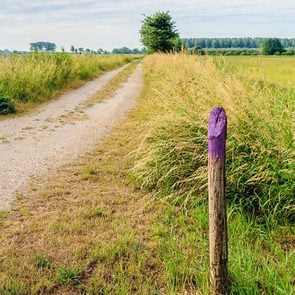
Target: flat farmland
(279, 70)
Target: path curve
(33, 144)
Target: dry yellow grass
(87, 219)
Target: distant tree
(123, 50)
(42, 46)
(272, 46)
(126, 50)
(87, 50)
(215, 43)
(81, 49)
(135, 51)
(158, 33)
(72, 49)
(99, 51)
(232, 42)
(196, 50)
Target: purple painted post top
(217, 127)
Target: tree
(42, 46)
(158, 33)
(123, 50)
(72, 49)
(215, 43)
(272, 46)
(135, 51)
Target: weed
(69, 275)
(97, 212)
(90, 172)
(41, 260)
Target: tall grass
(172, 158)
(279, 70)
(38, 76)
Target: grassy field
(37, 77)
(272, 69)
(132, 217)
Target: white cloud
(114, 23)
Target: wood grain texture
(217, 202)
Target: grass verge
(35, 78)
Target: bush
(232, 51)
(289, 52)
(6, 106)
(196, 50)
(272, 46)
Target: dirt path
(59, 132)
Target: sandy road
(53, 136)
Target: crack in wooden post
(217, 129)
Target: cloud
(116, 22)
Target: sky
(112, 24)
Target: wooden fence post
(217, 129)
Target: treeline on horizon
(42, 46)
(122, 50)
(245, 42)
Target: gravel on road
(47, 139)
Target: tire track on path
(45, 147)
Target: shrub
(272, 46)
(6, 106)
(41, 261)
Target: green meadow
(272, 69)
